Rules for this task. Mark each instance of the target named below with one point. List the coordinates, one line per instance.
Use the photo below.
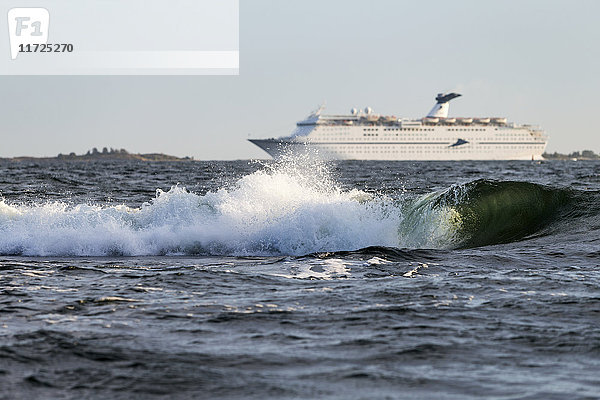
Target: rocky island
(576, 155)
(105, 154)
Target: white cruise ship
(365, 135)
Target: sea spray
(285, 208)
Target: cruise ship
(365, 135)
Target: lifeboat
(500, 121)
(450, 120)
(483, 120)
(465, 120)
(431, 120)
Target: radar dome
(354, 111)
(368, 110)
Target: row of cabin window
(442, 149)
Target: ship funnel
(440, 109)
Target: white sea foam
(289, 208)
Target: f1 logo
(27, 26)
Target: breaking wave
(485, 212)
(283, 209)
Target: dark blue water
(350, 280)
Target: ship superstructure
(365, 135)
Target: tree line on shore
(584, 155)
(121, 154)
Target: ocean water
(300, 280)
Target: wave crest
(485, 212)
(290, 209)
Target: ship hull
(399, 151)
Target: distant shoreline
(104, 155)
(576, 155)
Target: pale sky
(533, 62)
